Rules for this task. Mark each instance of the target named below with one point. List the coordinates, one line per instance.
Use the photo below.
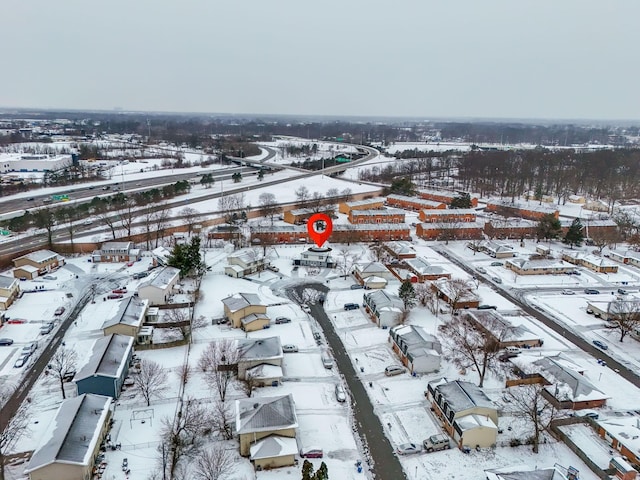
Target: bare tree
(346, 260)
(181, 317)
(316, 202)
(127, 213)
(626, 315)
(151, 380)
(268, 205)
(214, 463)
(184, 433)
(222, 419)
(457, 290)
(427, 297)
(147, 217)
(219, 363)
(161, 220)
(62, 363)
(16, 428)
(190, 216)
(469, 346)
(377, 253)
(249, 384)
(231, 206)
(302, 195)
(604, 238)
(531, 403)
(69, 216)
(346, 194)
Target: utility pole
(164, 464)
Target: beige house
(592, 262)
(467, 414)
(523, 266)
(9, 290)
(260, 359)
(362, 271)
(70, 447)
(129, 318)
(505, 333)
(263, 422)
(158, 288)
(243, 263)
(366, 204)
(245, 311)
(117, 252)
(36, 263)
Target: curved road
(384, 463)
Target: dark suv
(351, 306)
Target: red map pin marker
(319, 235)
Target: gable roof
(162, 279)
(463, 395)
(524, 472)
(116, 246)
(238, 301)
(273, 446)
(259, 348)
(74, 432)
(371, 267)
(422, 267)
(7, 282)
(131, 311)
(567, 383)
(109, 356)
(39, 256)
(264, 414)
(384, 301)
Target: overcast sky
(545, 59)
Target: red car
(113, 296)
(119, 290)
(311, 452)
(16, 320)
(130, 264)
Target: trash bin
(362, 369)
(359, 468)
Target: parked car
(119, 290)
(351, 306)
(341, 395)
(481, 270)
(49, 277)
(140, 275)
(611, 324)
(622, 291)
(282, 320)
(497, 264)
(273, 268)
(46, 328)
(496, 279)
(408, 449)
(15, 321)
(591, 291)
(568, 292)
(59, 311)
(487, 307)
(392, 370)
(311, 452)
(130, 264)
(600, 344)
(114, 296)
(21, 361)
(317, 337)
(504, 357)
(436, 442)
(356, 286)
(29, 348)
(590, 311)
(5, 342)
(290, 348)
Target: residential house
(260, 359)
(504, 332)
(418, 350)
(279, 234)
(592, 227)
(497, 249)
(400, 249)
(128, 319)
(365, 204)
(579, 199)
(528, 210)
(342, 233)
(457, 299)
(316, 257)
(224, 232)
(511, 228)
(528, 472)
(444, 196)
(413, 203)
(422, 270)
(161, 256)
(543, 250)
(300, 216)
(384, 308)
(522, 266)
(450, 231)
(115, 252)
(158, 287)
(620, 431)
(36, 263)
(466, 412)
(69, 448)
(362, 271)
(461, 215)
(596, 206)
(107, 367)
(243, 263)
(245, 311)
(565, 385)
(266, 427)
(387, 215)
(9, 290)
(592, 262)
(629, 257)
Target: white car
(305, 308)
(568, 292)
(408, 448)
(289, 348)
(341, 395)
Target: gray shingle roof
(6, 282)
(40, 255)
(164, 277)
(464, 395)
(264, 414)
(130, 312)
(239, 301)
(259, 348)
(74, 432)
(109, 356)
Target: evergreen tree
(307, 470)
(403, 186)
(322, 473)
(462, 201)
(260, 174)
(549, 227)
(407, 294)
(574, 235)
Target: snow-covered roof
(164, 277)
(374, 279)
(310, 211)
(73, 433)
(401, 247)
(531, 207)
(624, 427)
(259, 348)
(471, 421)
(422, 267)
(374, 213)
(444, 286)
(383, 301)
(131, 311)
(27, 268)
(450, 212)
(252, 317)
(452, 225)
(418, 201)
(525, 472)
(273, 446)
(367, 201)
(39, 256)
(264, 371)
(415, 341)
(512, 222)
(567, 383)
(238, 301)
(161, 253)
(116, 247)
(501, 328)
(245, 256)
(7, 282)
(371, 267)
(462, 395)
(497, 247)
(264, 414)
(542, 264)
(108, 358)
